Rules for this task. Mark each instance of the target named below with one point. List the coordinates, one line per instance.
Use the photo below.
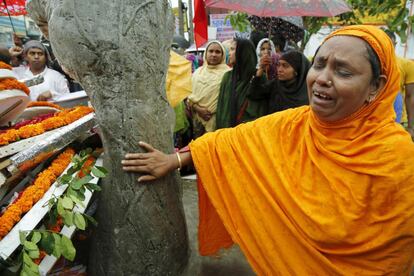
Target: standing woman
(324, 189)
(289, 89)
(266, 49)
(206, 87)
(233, 105)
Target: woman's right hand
(153, 164)
(265, 61)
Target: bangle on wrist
(179, 161)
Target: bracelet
(179, 161)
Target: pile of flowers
(60, 119)
(11, 83)
(34, 192)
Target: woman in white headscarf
(266, 49)
(206, 87)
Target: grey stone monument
(118, 51)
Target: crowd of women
(244, 82)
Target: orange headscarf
(305, 197)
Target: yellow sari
(304, 197)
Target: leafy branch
(77, 178)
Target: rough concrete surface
(229, 262)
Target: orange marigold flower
(53, 122)
(30, 131)
(4, 65)
(35, 192)
(87, 166)
(9, 136)
(9, 83)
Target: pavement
(228, 262)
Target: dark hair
(390, 34)
(256, 36)
(375, 63)
(279, 41)
(294, 58)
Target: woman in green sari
(233, 106)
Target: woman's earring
(370, 99)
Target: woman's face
(285, 71)
(265, 49)
(214, 54)
(340, 79)
(232, 53)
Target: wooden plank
(18, 146)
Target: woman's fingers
(145, 178)
(136, 168)
(136, 156)
(146, 146)
(134, 162)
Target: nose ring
(329, 83)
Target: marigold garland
(57, 227)
(4, 65)
(9, 84)
(60, 119)
(34, 192)
(43, 103)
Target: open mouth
(322, 96)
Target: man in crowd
(37, 57)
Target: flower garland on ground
(62, 118)
(34, 192)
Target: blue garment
(398, 107)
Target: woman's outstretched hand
(153, 164)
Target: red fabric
(15, 7)
(212, 235)
(200, 23)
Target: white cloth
(54, 81)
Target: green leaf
(47, 242)
(36, 237)
(68, 218)
(65, 179)
(76, 200)
(76, 185)
(22, 236)
(34, 254)
(51, 202)
(57, 251)
(80, 221)
(27, 261)
(91, 219)
(60, 208)
(28, 245)
(68, 250)
(98, 173)
(93, 187)
(67, 203)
